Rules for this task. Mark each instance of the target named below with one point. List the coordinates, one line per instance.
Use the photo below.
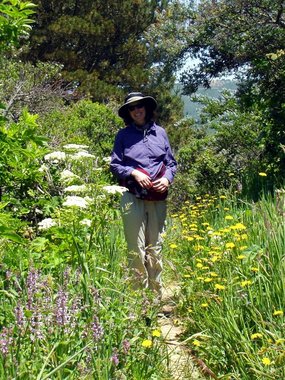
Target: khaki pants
(143, 226)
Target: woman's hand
(142, 179)
(160, 185)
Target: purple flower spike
(97, 330)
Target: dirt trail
(181, 363)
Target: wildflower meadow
(67, 306)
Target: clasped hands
(160, 185)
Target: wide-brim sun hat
(135, 97)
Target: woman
(143, 162)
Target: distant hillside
(191, 109)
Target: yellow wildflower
(204, 305)
(262, 174)
(156, 333)
(196, 343)
(230, 245)
(240, 257)
(199, 265)
(223, 197)
(219, 287)
(229, 217)
(255, 336)
(266, 361)
(278, 312)
(254, 269)
(245, 283)
(173, 246)
(147, 343)
(208, 279)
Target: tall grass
(231, 260)
(67, 308)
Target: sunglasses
(139, 106)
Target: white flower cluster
(86, 222)
(81, 155)
(55, 157)
(67, 175)
(113, 189)
(75, 201)
(107, 160)
(76, 189)
(47, 223)
(75, 147)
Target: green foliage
(97, 40)
(15, 21)
(37, 87)
(232, 279)
(22, 183)
(108, 50)
(83, 122)
(249, 41)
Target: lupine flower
(61, 313)
(97, 329)
(19, 316)
(115, 358)
(32, 286)
(47, 223)
(5, 341)
(126, 346)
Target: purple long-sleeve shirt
(142, 148)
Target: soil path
(181, 364)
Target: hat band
(134, 99)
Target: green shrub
(84, 122)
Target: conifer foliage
(100, 43)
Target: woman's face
(138, 113)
